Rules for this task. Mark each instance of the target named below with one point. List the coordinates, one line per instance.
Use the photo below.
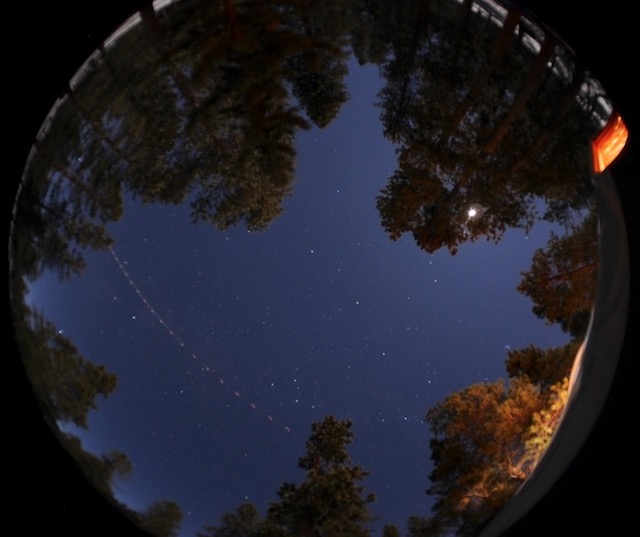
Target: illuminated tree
(545, 422)
(478, 450)
(543, 367)
(562, 278)
(448, 129)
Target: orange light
(609, 143)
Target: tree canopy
(329, 502)
(561, 281)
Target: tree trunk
(527, 89)
(505, 38)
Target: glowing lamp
(609, 143)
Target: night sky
(97, 313)
(228, 345)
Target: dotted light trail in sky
(194, 357)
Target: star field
(228, 345)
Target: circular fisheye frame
(342, 268)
